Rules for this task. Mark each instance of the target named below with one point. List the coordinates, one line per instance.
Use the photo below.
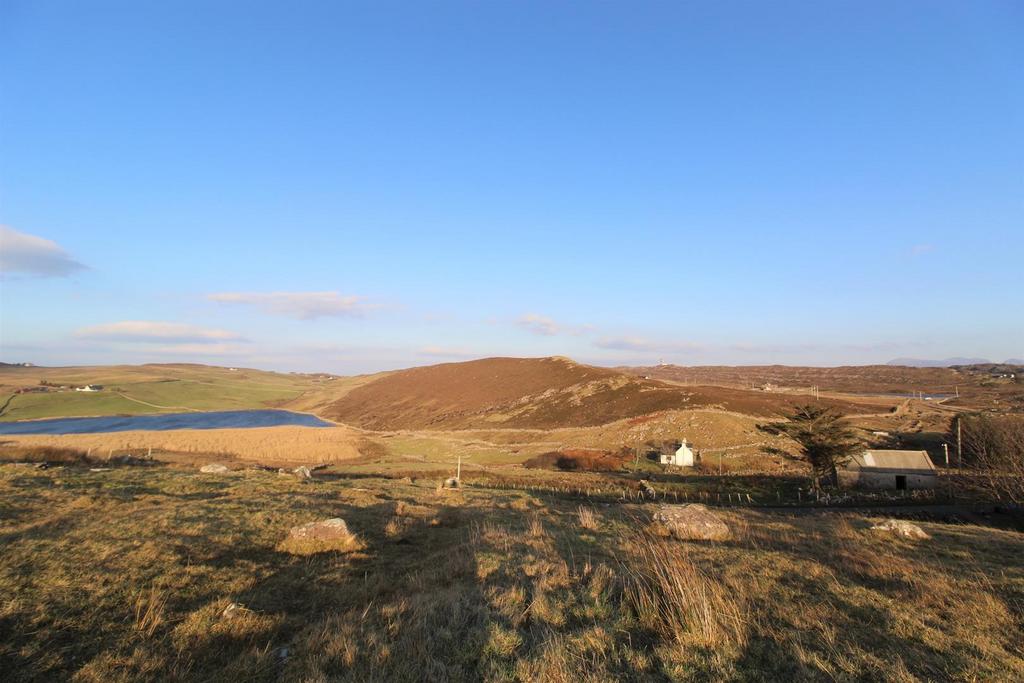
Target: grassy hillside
(143, 389)
(126, 575)
(539, 393)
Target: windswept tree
(826, 440)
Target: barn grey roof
(915, 461)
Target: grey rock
(903, 529)
(325, 530)
(692, 522)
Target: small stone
(213, 468)
(327, 530)
(303, 473)
(901, 528)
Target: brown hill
(850, 378)
(538, 393)
(975, 384)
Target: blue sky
(357, 186)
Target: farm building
(678, 454)
(89, 387)
(899, 470)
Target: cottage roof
(917, 461)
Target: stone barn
(895, 470)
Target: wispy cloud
(545, 326)
(150, 331)
(212, 349)
(25, 254)
(299, 305)
(647, 345)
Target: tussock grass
(536, 527)
(672, 596)
(587, 517)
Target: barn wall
(884, 480)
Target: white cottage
(678, 454)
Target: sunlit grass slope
(126, 574)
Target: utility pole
(720, 453)
(945, 454)
(957, 388)
(458, 472)
(959, 446)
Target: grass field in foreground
(125, 575)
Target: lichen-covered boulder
(323, 536)
(214, 468)
(903, 529)
(692, 522)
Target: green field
(136, 390)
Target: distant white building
(681, 456)
(89, 387)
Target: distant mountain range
(949, 362)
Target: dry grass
(126, 574)
(47, 454)
(269, 445)
(149, 611)
(672, 596)
(588, 518)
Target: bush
(994, 446)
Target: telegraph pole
(959, 446)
